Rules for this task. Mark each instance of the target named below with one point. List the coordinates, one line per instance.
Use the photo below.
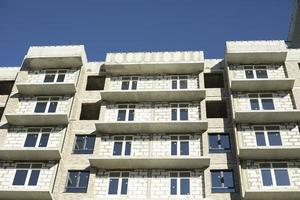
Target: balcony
(33, 154)
(249, 85)
(151, 127)
(25, 194)
(256, 52)
(46, 88)
(267, 116)
(277, 194)
(152, 95)
(55, 57)
(189, 62)
(276, 153)
(149, 163)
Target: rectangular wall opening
(6, 87)
(95, 82)
(213, 80)
(216, 109)
(90, 111)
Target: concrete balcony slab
(33, 154)
(274, 194)
(46, 88)
(25, 194)
(275, 153)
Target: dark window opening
(6, 87)
(77, 181)
(1, 112)
(216, 109)
(95, 83)
(90, 111)
(214, 80)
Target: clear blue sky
(138, 25)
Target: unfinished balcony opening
(216, 109)
(95, 83)
(90, 111)
(213, 80)
(6, 87)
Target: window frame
(259, 97)
(219, 150)
(56, 74)
(273, 176)
(130, 80)
(178, 145)
(83, 151)
(254, 69)
(178, 108)
(85, 189)
(29, 172)
(178, 183)
(48, 101)
(127, 108)
(124, 141)
(40, 133)
(120, 179)
(178, 79)
(223, 189)
(266, 136)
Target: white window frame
(40, 133)
(47, 100)
(56, 73)
(178, 140)
(28, 173)
(124, 140)
(254, 71)
(178, 110)
(266, 133)
(259, 98)
(178, 183)
(179, 78)
(273, 175)
(131, 79)
(119, 183)
(127, 110)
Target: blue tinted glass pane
(44, 140)
(121, 115)
(174, 148)
(184, 114)
(228, 179)
(225, 144)
(260, 139)
(49, 78)
(20, 177)
(282, 177)
(173, 187)
(79, 144)
(113, 186)
(52, 107)
(117, 149)
(184, 148)
(131, 115)
(213, 142)
(125, 85)
(60, 78)
(249, 74)
(184, 186)
(174, 114)
(174, 84)
(134, 85)
(127, 148)
(90, 143)
(183, 84)
(216, 179)
(274, 139)
(124, 186)
(83, 181)
(267, 104)
(31, 140)
(266, 176)
(40, 107)
(72, 179)
(261, 73)
(254, 104)
(34, 177)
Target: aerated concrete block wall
(273, 71)
(37, 76)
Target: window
(180, 145)
(222, 181)
(180, 183)
(77, 181)
(179, 112)
(6, 87)
(95, 83)
(213, 80)
(52, 76)
(219, 142)
(179, 82)
(46, 104)
(129, 83)
(90, 111)
(274, 174)
(261, 101)
(37, 137)
(216, 109)
(118, 183)
(27, 174)
(122, 145)
(126, 112)
(255, 72)
(267, 135)
(84, 144)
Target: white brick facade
(151, 82)
(273, 71)
(156, 145)
(37, 76)
(152, 112)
